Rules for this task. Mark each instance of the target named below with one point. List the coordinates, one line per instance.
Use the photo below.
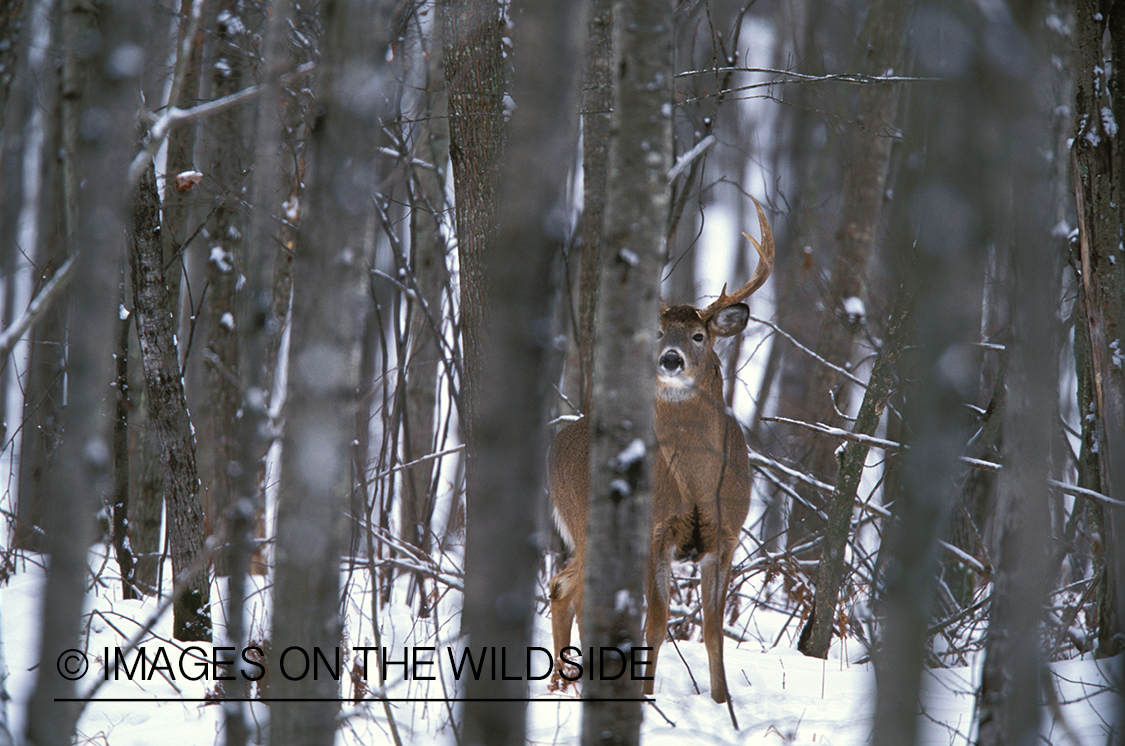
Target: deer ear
(730, 320)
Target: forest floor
(780, 696)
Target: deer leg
(566, 602)
(656, 614)
(714, 574)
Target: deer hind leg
(658, 588)
(566, 603)
(715, 573)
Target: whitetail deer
(701, 474)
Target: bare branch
(174, 115)
(37, 308)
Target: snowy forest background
(295, 294)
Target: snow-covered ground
(780, 696)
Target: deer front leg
(714, 574)
(657, 590)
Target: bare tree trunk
(185, 86)
(431, 278)
(953, 201)
(505, 485)
(168, 414)
(847, 296)
(29, 206)
(254, 320)
(220, 397)
(621, 410)
(1009, 710)
(816, 637)
(123, 549)
(597, 107)
(82, 479)
(1099, 158)
(474, 72)
(331, 277)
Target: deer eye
(698, 336)
(659, 333)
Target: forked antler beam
(761, 272)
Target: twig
(174, 115)
(890, 445)
(847, 374)
(38, 307)
(836, 432)
(687, 158)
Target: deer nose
(672, 361)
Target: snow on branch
(174, 115)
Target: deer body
(700, 479)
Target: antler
(761, 272)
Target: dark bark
(1098, 161)
(169, 416)
(221, 397)
(474, 72)
(597, 107)
(254, 320)
(1009, 700)
(816, 637)
(120, 502)
(176, 208)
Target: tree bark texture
(816, 637)
(221, 397)
(168, 414)
(505, 485)
(1098, 158)
(621, 410)
(597, 108)
(473, 58)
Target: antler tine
(761, 272)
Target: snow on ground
(781, 697)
